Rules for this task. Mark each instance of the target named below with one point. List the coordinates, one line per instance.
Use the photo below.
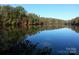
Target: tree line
(75, 21)
(18, 16)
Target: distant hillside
(13, 16)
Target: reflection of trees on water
(11, 42)
(9, 37)
(26, 47)
(75, 28)
(34, 29)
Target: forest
(18, 16)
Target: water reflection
(14, 40)
(75, 28)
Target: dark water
(55, 40)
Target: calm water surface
(62, 41)
(56, 40)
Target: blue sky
(60, 11)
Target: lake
(50, 40)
